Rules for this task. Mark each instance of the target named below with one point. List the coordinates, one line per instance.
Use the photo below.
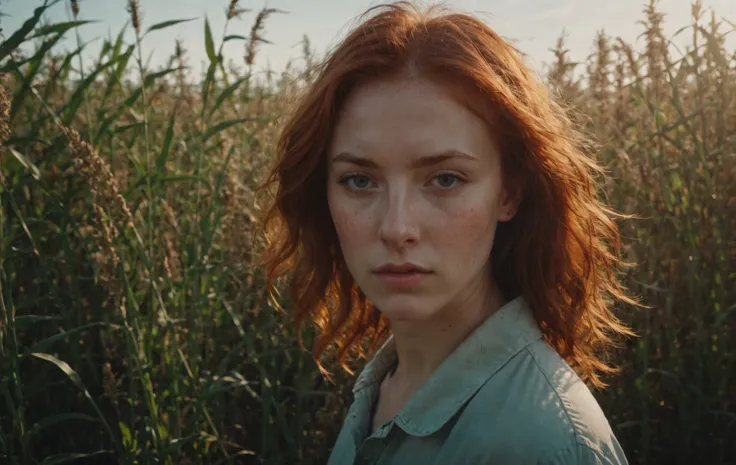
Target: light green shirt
(503, 397)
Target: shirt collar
(481, 355)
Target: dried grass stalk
(109, 207)
(103, 184)
(4, 111)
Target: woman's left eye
(447, 180)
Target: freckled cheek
(351, 224)
(465, 235)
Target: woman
(431, 198)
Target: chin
(406, 308)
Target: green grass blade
(166, 147)
(121, 129)
(209, 78)
(73, 457)
(27, 164)
(234, 37)
(165, 24)
(209, 43)
(29, 76)
(227, 93)
(74, 378)
(19, 214)
(224, 125)
(71, 108)
(118, 43)
(59, 28)
(45, 344)
(23, 322)
(56, 419)
(117, 76)
(20, 35)
(151, 78)
(107, 122)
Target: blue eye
(447, 180)
(359, 181)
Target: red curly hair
(559, 251)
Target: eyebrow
(421, 162)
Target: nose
(398, 228)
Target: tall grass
(135, 327)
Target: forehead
(406, 116)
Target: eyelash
(345, 179)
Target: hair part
(561, 249)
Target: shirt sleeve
(580, 454)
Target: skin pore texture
(415, 177)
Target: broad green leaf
(74, 378)
(30, 75)
(153, 76)
(22, 322)
(19, 214)
(58, 28)
(126, 127)
(66, 458)
(206, 86)
(11, 65)
(229, 91)
(76, 99)
(27, 164)
(209, 43)
(234, 37)
(106, 47)
(166, 147)
(20, 35)
(117, 76)
(118, 113)
(44, 344)
(125, 433)
(165, 24)
(68, 59)
(224, 125)
(118, 43)
(55, 419)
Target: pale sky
(533, 24)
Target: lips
(403, 276)
(402, 268)
(403, 280)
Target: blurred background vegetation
(134, 327)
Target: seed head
(255, 33)
(135, 14)
(4, 112)
(106, 257)
(95, 170)
(233, 11)
(75, 8)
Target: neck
(422, 346)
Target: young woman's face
(415, 179)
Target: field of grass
(134, 327)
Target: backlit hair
(559, 251)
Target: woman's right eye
(358, 181)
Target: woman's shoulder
(540, 408)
